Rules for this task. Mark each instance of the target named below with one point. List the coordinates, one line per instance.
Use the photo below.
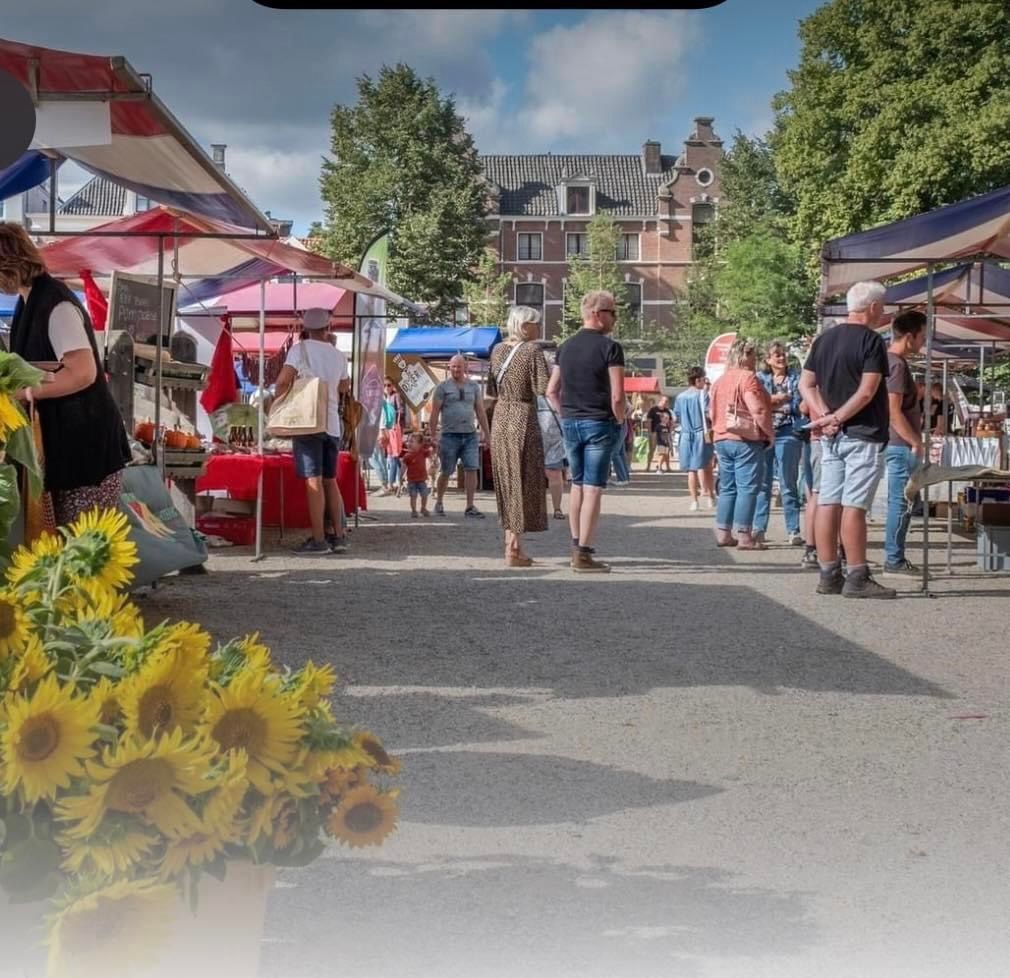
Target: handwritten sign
(413, 377)
(134, 303)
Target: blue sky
(602, 80)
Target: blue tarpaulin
(29, 171)
(439, 342)
(8, 302)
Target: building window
(531, 294)
(627, 248)
(143, 203)
(576, 244)
(530, 247)
(633, 300)
(704, 177)
(702, 236)
(576, 200)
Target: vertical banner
(370, 345)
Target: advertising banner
(370, 346)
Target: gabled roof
(528, 183)
(99, 197)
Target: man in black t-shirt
(660, 420)
(844, 383)
(587, 389)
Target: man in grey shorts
(844, 384)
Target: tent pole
(159, 441)
(354, 396)
(943, 408)
(927, 425)
(981, 380)
(52, 193)
(259, 423)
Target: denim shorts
(454, 447)
(850, 471)
(315, 456)
(589, 446)
(418, 489)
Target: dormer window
(577, 200)
(577, 195)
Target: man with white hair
(587, 390)
(844, 382)
(459, 404)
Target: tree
(761, 286)
(403, 162)
(596, 269)
(753, 198)
(896, 107)
(487, 296)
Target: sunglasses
(613, 312)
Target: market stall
(967, 306)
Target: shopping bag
(302, 411)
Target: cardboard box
(234, 507)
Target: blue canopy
(438, 342)
(29, 170)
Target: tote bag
(302, 411)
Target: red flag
(221, 386)
(98, 307)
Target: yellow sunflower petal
(114, 552)
(168, 693)
(42, 552)
(370, 745)
(13, 624)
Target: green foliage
(597, 269)
(402, 161)
(761, 287)
(896, 107)
(10, 500)
(487, 296)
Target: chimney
(652, 157)
(703, 131)
(217, 154)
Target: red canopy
(641, 385)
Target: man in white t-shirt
(316, 455)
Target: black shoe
(337, 545)
(311, 548)
(473, 512)
(810, 561)
(904, 568)
(831, 582)
(864, 586)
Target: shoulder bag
(739, 421)
(302, 411)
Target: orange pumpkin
(194, 442)
(144, 432)
(176, 439)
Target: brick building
(540, 206)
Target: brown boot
(583, 563)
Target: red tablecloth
(239, 474)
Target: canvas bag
(550, 426)
(739, 422)
(302, 411)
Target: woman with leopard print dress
(518, 375)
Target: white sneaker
(709, 502)
(693, 508)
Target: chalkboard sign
(133, 307)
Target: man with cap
(316, 455)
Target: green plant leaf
(21, 448)
(16, 373)
(24, 866)
(10, 499)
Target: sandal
(558, 515)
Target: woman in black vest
(83, 438)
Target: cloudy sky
(264, 81)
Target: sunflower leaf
(20, 447)
(16, 373)
(109, 669)
(10, 499)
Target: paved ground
(694, 767)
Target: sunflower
(378, 758)
(106, 696)
(112, 931)
(32, 665)
(166, 694)
(191, 640)
(111, 553)
(313, 684)
(47, 736)
(251, 714)
(146, 778)
(219, 823)
(364, 817)
(93, 601)
(13, 624)
(42, 553)
(113, 850)
(276, 818)
(11, 417)
(341, 780)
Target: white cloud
(614, 75)
(486, 119)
